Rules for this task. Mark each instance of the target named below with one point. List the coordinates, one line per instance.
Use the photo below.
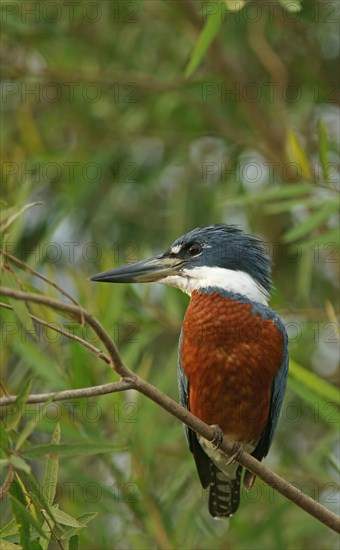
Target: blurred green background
(134, 122)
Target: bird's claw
(218, 436)
(236, 451)
(217, 440)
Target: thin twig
(28, 268)
(6, 306)
(53, 533)
(74, 337)
(4, 389)
(7, 483)
(115, 360)
(65, 395)
(288, 490)
(65, 333)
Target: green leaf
(282, 192)
(26, 322)
(24, 520)
(297, 155)
(4, 439)
(323, 149)
(9, 529)
(22, 516)
(320, 407)
(29, 428)
(84, 519)
(20, 464)
(18, 408)
(51, 472)
(305, 276)
(334, 463)
(313, 221)
(4, 463)
(71, 449)
(292, 6)
(37, 496)
(50, 486)
(65, 519)
(329, 238)
(31, 425)
(39, 361)
(313, 382)
(286, 206)
(207, 35)
(74, 543)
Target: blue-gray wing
(203, 462)
(183, 387)
(277, 396)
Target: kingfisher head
(215, 256)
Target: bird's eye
(194, 249)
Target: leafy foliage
(133, 122)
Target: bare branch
(65, 395)
(132, 381)
(26, 267)
(65, 333)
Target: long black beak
(145, 271)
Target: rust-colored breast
(230, 357)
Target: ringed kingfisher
(233, 358)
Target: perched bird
(233, 358)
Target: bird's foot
(218, 436)
(236, 451)
(248, 480)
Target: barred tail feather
(224, 496)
